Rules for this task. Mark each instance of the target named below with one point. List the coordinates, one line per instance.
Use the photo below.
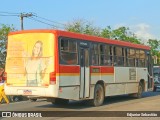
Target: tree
(84, 27)
(155, 47)
(4, 30)
(106, 32)
(121, 33)
(75, 26)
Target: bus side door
(85, 74)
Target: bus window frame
(61, 60)
(111, 55)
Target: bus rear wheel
(98, 96)
(140, 91)
(33, 100)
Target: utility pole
(22, 16)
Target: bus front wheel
(154, 89)
(98, 96)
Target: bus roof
(84, 37)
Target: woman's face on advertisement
(37, 49)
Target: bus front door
(84, 77)
(150, 72)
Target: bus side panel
(69, 82)
(122, 75)
(125, 80)
(71, 92)
(69, 75)
(105, 74)
(131, 88)
(114, 89)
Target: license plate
(27, 92)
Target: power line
(35, 18)
(8, 13)
(42, 22)
(49, 20)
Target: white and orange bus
(62, 66)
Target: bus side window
(68, 53)
(120, 56)
(95, 54)
(108, 55)
(131, 58)
(101, 48)
(64, 45)
(105, 54)
(115, 56)
(137, 59)
(111, 54)
(142, 58)
(126, 56)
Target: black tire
(16, 98)
(33, 100)
(98, 96)
(59, 101)
(2, 101)
(10, 98)
(154, 89)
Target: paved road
(149, 102)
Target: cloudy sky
(141, 16)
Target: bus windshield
(156, 72)
(29, 59)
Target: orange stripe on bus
(76, 69)
(68, 74)
(102, 69)
(69, 69)
(84, 37)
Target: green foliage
(84, 27)
(90, 30)
(4, 30)
(106, 32)
(76, 26)
(121, 33)
(155, 48)
(155, 45)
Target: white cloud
(142, 31)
